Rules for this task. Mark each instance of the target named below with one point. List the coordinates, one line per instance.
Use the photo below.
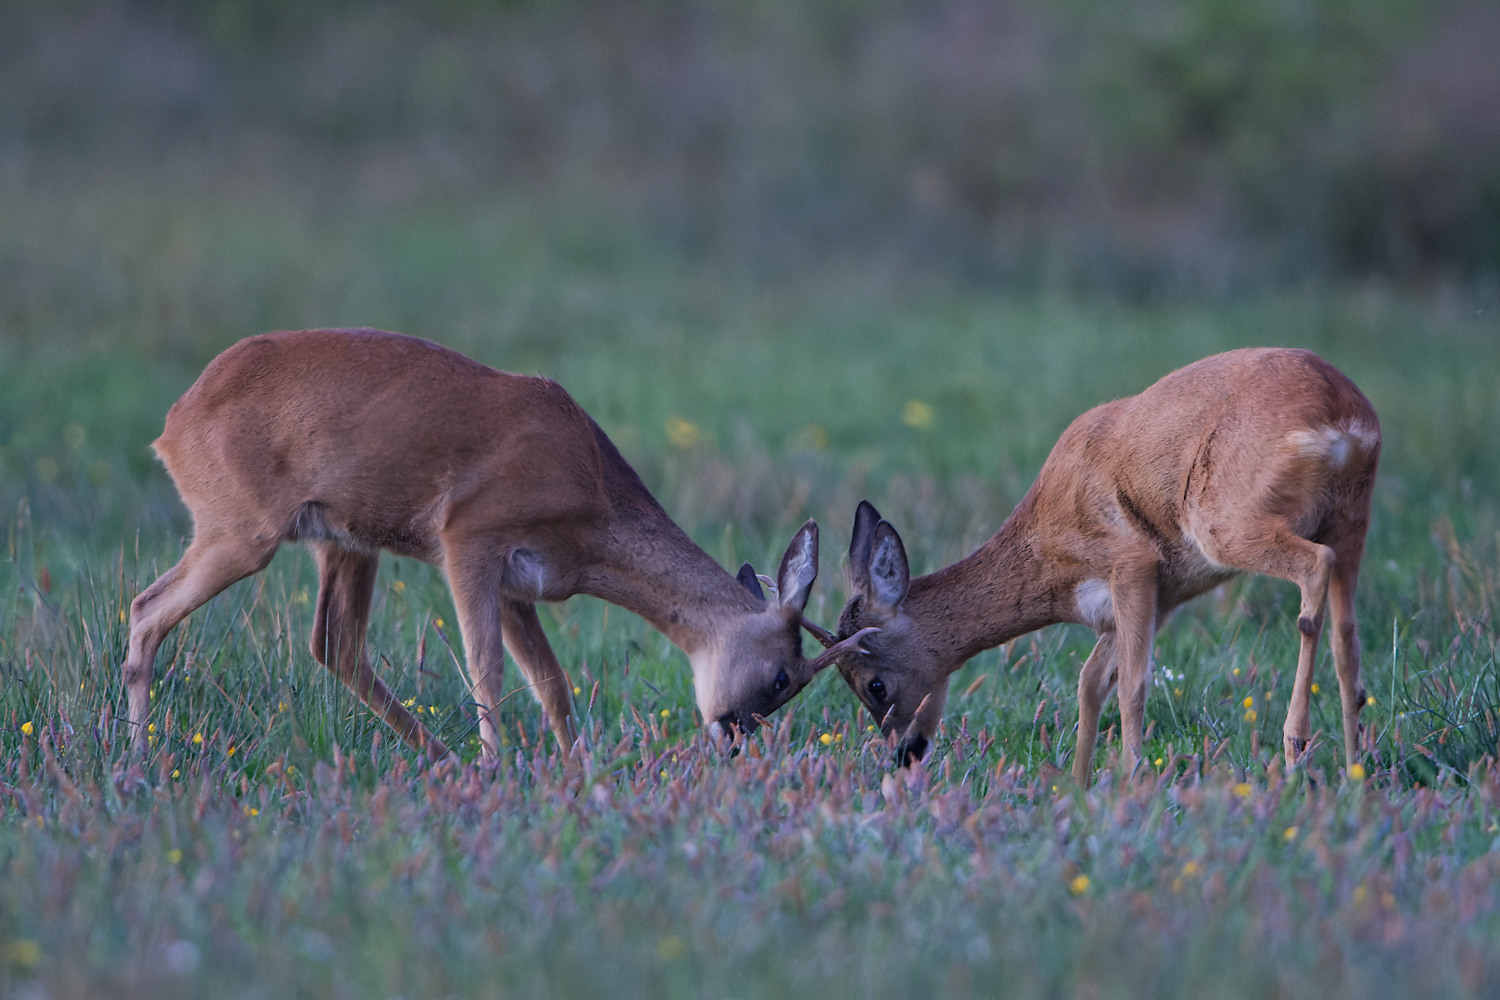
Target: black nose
(910, 750)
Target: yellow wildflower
(1249, 702)
(1242, 790)
(24, 953)
(1079, 885)
(918, 414)
(1357, 772)
(197, 739)
(683, 433)
(826, 739)
(27, 729)
(1289, 834)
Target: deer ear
(865, 519)
(799, 568)
(748, 580)
(888, 576)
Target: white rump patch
(1334, 444)
(1096, 607)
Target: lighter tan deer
(356, 441)
(1258, 460)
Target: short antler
(820, 633)
(840, 647)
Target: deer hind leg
(210, 564)
(1346, 645)
(346, 584)
(1310, 566)
(523, 635)
(1133, 591)
(1094, 683)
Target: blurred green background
(774, 221)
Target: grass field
(278, 842)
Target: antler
(839, 648)
(820, 633)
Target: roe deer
(1257, 460)
(359, 440)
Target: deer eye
(877, 689)
(782, 682)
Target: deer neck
(650, 566)
(1002, 590)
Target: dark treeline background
(1140, 147)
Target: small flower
(174, 856)
(176, 772)
(1158, 762)
(122, 616)
(251, 811)
(1370, 700)
(666, 712)
(438, 622)
(150, 727)
(1177, 692)
(399, 586)
(918, 414)
(197, 739)
(577, 690)
(1249, 702)
(1289, 834)
(27, 954)
(870, 728)
(1190, 869)
(231, 751)
(1356, 772)
(1315, 688)
(683, 433)
(1079, 885)
(27, 728)
(1242, 790)
(1250, 715)
(826, 739)
(664, 775)
(1235, 671)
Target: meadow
(277, 841)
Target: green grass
(296, 851)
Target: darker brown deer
(1254, 461)
(358, 441)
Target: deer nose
(911, 749)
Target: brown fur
(356, 441)
(1257, 460)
